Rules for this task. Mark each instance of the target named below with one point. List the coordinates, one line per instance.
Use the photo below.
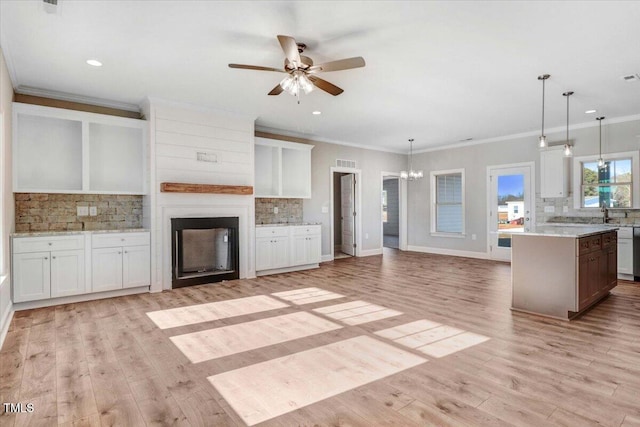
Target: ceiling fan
(301, 70)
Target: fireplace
(204, 250)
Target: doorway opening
(345, 208)
(391, 212)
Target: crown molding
(312, 138)
(152, 101)
(557, 129)
(63, 96)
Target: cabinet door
(106, 265)
(612, 269)
(553, 169)
(583, 281)
(67, 273)
(314, 249)
(299, 250)
(136, 266)
(625, 256)
(263, 253)
(31, 276)
(280, 252)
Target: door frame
(358, 206)
(532, 192)
(402, 210)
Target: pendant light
(600, 159)
(411, 175)
(567, 148)
(543, 139)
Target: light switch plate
(325, 209)
(275, 210)
(83, 210)
(565, 209)
(93, 211)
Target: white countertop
(572, 231)
(71, 233)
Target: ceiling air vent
(341, 163)
(631, 78)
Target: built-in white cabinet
(287, 248)
(554, 173)
(282, 168)
(120, 261)
(306, 245)
(625, 252)
(65, 151)
(48, 267)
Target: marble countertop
(573, 224)
(285, 224)
(565, 230)
(71, 233)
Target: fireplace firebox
(204, 250)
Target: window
(447, 202)
(515, 209)
(614, 185)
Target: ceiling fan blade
(290, 48)
(341, 64)
(255, 67)
(325, 85)
(276, 90)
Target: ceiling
(439, 72)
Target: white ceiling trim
(27, 90)
(529, 134)
(154, 101)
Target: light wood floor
(106, 363)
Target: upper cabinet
(283, 169)
(554, 173)
(65, 151)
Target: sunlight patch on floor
(357, 312)
(307, 295)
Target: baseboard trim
(450, 252)
(287, 269)
(370, 252)
(5, 322)
(326, 258)
(28, 305)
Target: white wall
(371, 163)
(177, 134)
(7, 214)
(617, 137)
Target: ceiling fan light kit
(302, 71)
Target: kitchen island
(561, 271)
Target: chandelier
(411, 175)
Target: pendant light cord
(567, 118)
(543, 82)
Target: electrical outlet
(474, 237)
(83, 210)
(93, 211)
(549, 209)
(325, 209)
(366, 235)
(565, 209)
(275, 210)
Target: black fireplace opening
(204, 250)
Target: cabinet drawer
(589, 244)
(609, 239)
(625, 233)
(306, 230)
(272, 231)
(111, 240)
(54, 243)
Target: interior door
(347, 189)
(509, 208)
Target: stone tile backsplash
(289, 210)
(58, 212)
(581, 216)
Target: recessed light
(94, 62)
(317, 113)
(590, 111)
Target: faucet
(605, 213)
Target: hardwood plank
(74, 388)
(176, 187)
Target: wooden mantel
(177, 187)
